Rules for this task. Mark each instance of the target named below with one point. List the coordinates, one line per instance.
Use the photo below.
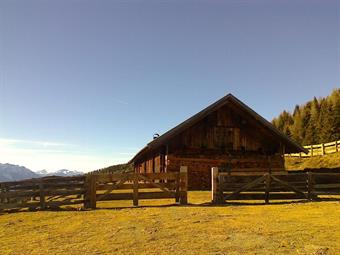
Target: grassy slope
(326, 161)
(120, 168)
(300, 228)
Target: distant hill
(61, 172)
(120, 168)
(10, 172)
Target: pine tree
(334, 99)
(317, 121)
(306, 116)
(312, 127)
(297, 128)
(284, 122)
(324, 124)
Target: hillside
(325, 161)
(9, 172)
(120, 168)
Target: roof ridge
(206, 111)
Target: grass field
(326, 161)
(296, 228)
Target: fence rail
(42, 193)
(137, 186)
(54, 192)
(318, 150)
(287, 186)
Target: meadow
(325, 161)
(160, 227)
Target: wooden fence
(289, 186)
(54, 192)
(42, 193)
(137, 186)
(318, 149)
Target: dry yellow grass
(297, 228)
(326, 161)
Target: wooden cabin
(227, 134)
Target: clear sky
(86, 84)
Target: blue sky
(85, 84)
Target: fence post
(93, 199)
(214, 185)
(2, 191)
(6, 199)
(268, 184)
(322, 149)
(220, 184)
(87, 192)
(42, 196)
(336, 146)
(2, 200)
(177, 188)
(311, 151)
(310, 185)
(135, 189)
(184, 185)
(90, 200)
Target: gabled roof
(291, 145)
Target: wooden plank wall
(225, 137)
(153, 164)
(222, 129)
(199, 173)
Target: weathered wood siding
(199, 169)
(153, 164)
(225, 130)
(225, 138)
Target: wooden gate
(286, 186)
(136, 186)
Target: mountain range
(10, 172)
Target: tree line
(317, 121)
(120, 168)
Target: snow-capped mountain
(9, 172)
(61, 172)
(42, 172)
